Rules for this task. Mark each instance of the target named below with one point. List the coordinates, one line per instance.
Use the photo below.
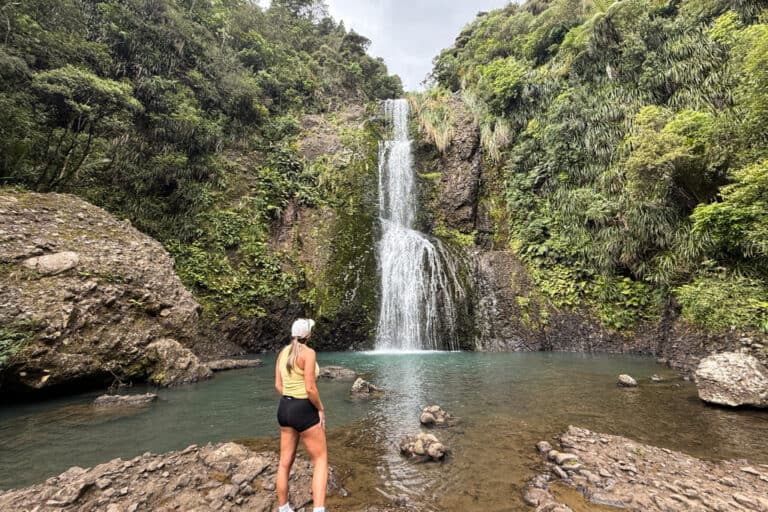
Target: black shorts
(298, 413)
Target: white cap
(302, 327)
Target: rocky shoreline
(219, 477)
(617, 472)
(222, 477)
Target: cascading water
(418, 280)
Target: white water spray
(418, 282)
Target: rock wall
(331, 245)
(87, 300)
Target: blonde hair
(293, 354)
(301, 328)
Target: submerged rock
(232, 364)
(626, 381)
(124, 400)
(434, 415)
(224, 477)
(424, 446)
(363, 389)
(336, 373)
(733, 379)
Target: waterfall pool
(504, 402)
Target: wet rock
(363, 389)
(53, 264)
(624, 474)
(232, 364)
(732, 379)
(655, 378)
(174, 364)
(131, 487)
(434, 415)
(336, 373)
(423, 446)
(543, 447)
(626, 381)
(124, 400)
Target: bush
(721, 301)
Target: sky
(408, 34)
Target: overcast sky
(408, 34)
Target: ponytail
(293, 354)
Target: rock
(116, 486)
(101, 293)
(124, 400)
(232, 364)
(424, 446)
(543, 447)
(565, 458)
(655, 378)
(53, 264)
(174, 364)
(364, 389)
(626, 381)
(434, 415)
(67, 495)
(659, 480)
(732, 379)
(336, 373)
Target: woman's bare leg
(289, 439)
(314, 441)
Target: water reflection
(395, 416)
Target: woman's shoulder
(307, 350)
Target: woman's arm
(310, 358)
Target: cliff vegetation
(625, 142)
(185, 118)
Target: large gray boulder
(83, 295)
(733, 379)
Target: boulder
(85, 294)
(174, 364)
(52, 264)
(626, 381)
(336, 373)
(434, 415)
(124, 400)
(424, 446)
(732, 379)
(363, 389)
(232, 364)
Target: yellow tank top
(293, 382)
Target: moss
(346, 289)
(13, 339)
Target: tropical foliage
(181, 116)
(632, 139)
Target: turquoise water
(505, 403)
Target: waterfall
(418, 279)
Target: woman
(300, 414)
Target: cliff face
(87, 300)
(463, 195)
(329, 243)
